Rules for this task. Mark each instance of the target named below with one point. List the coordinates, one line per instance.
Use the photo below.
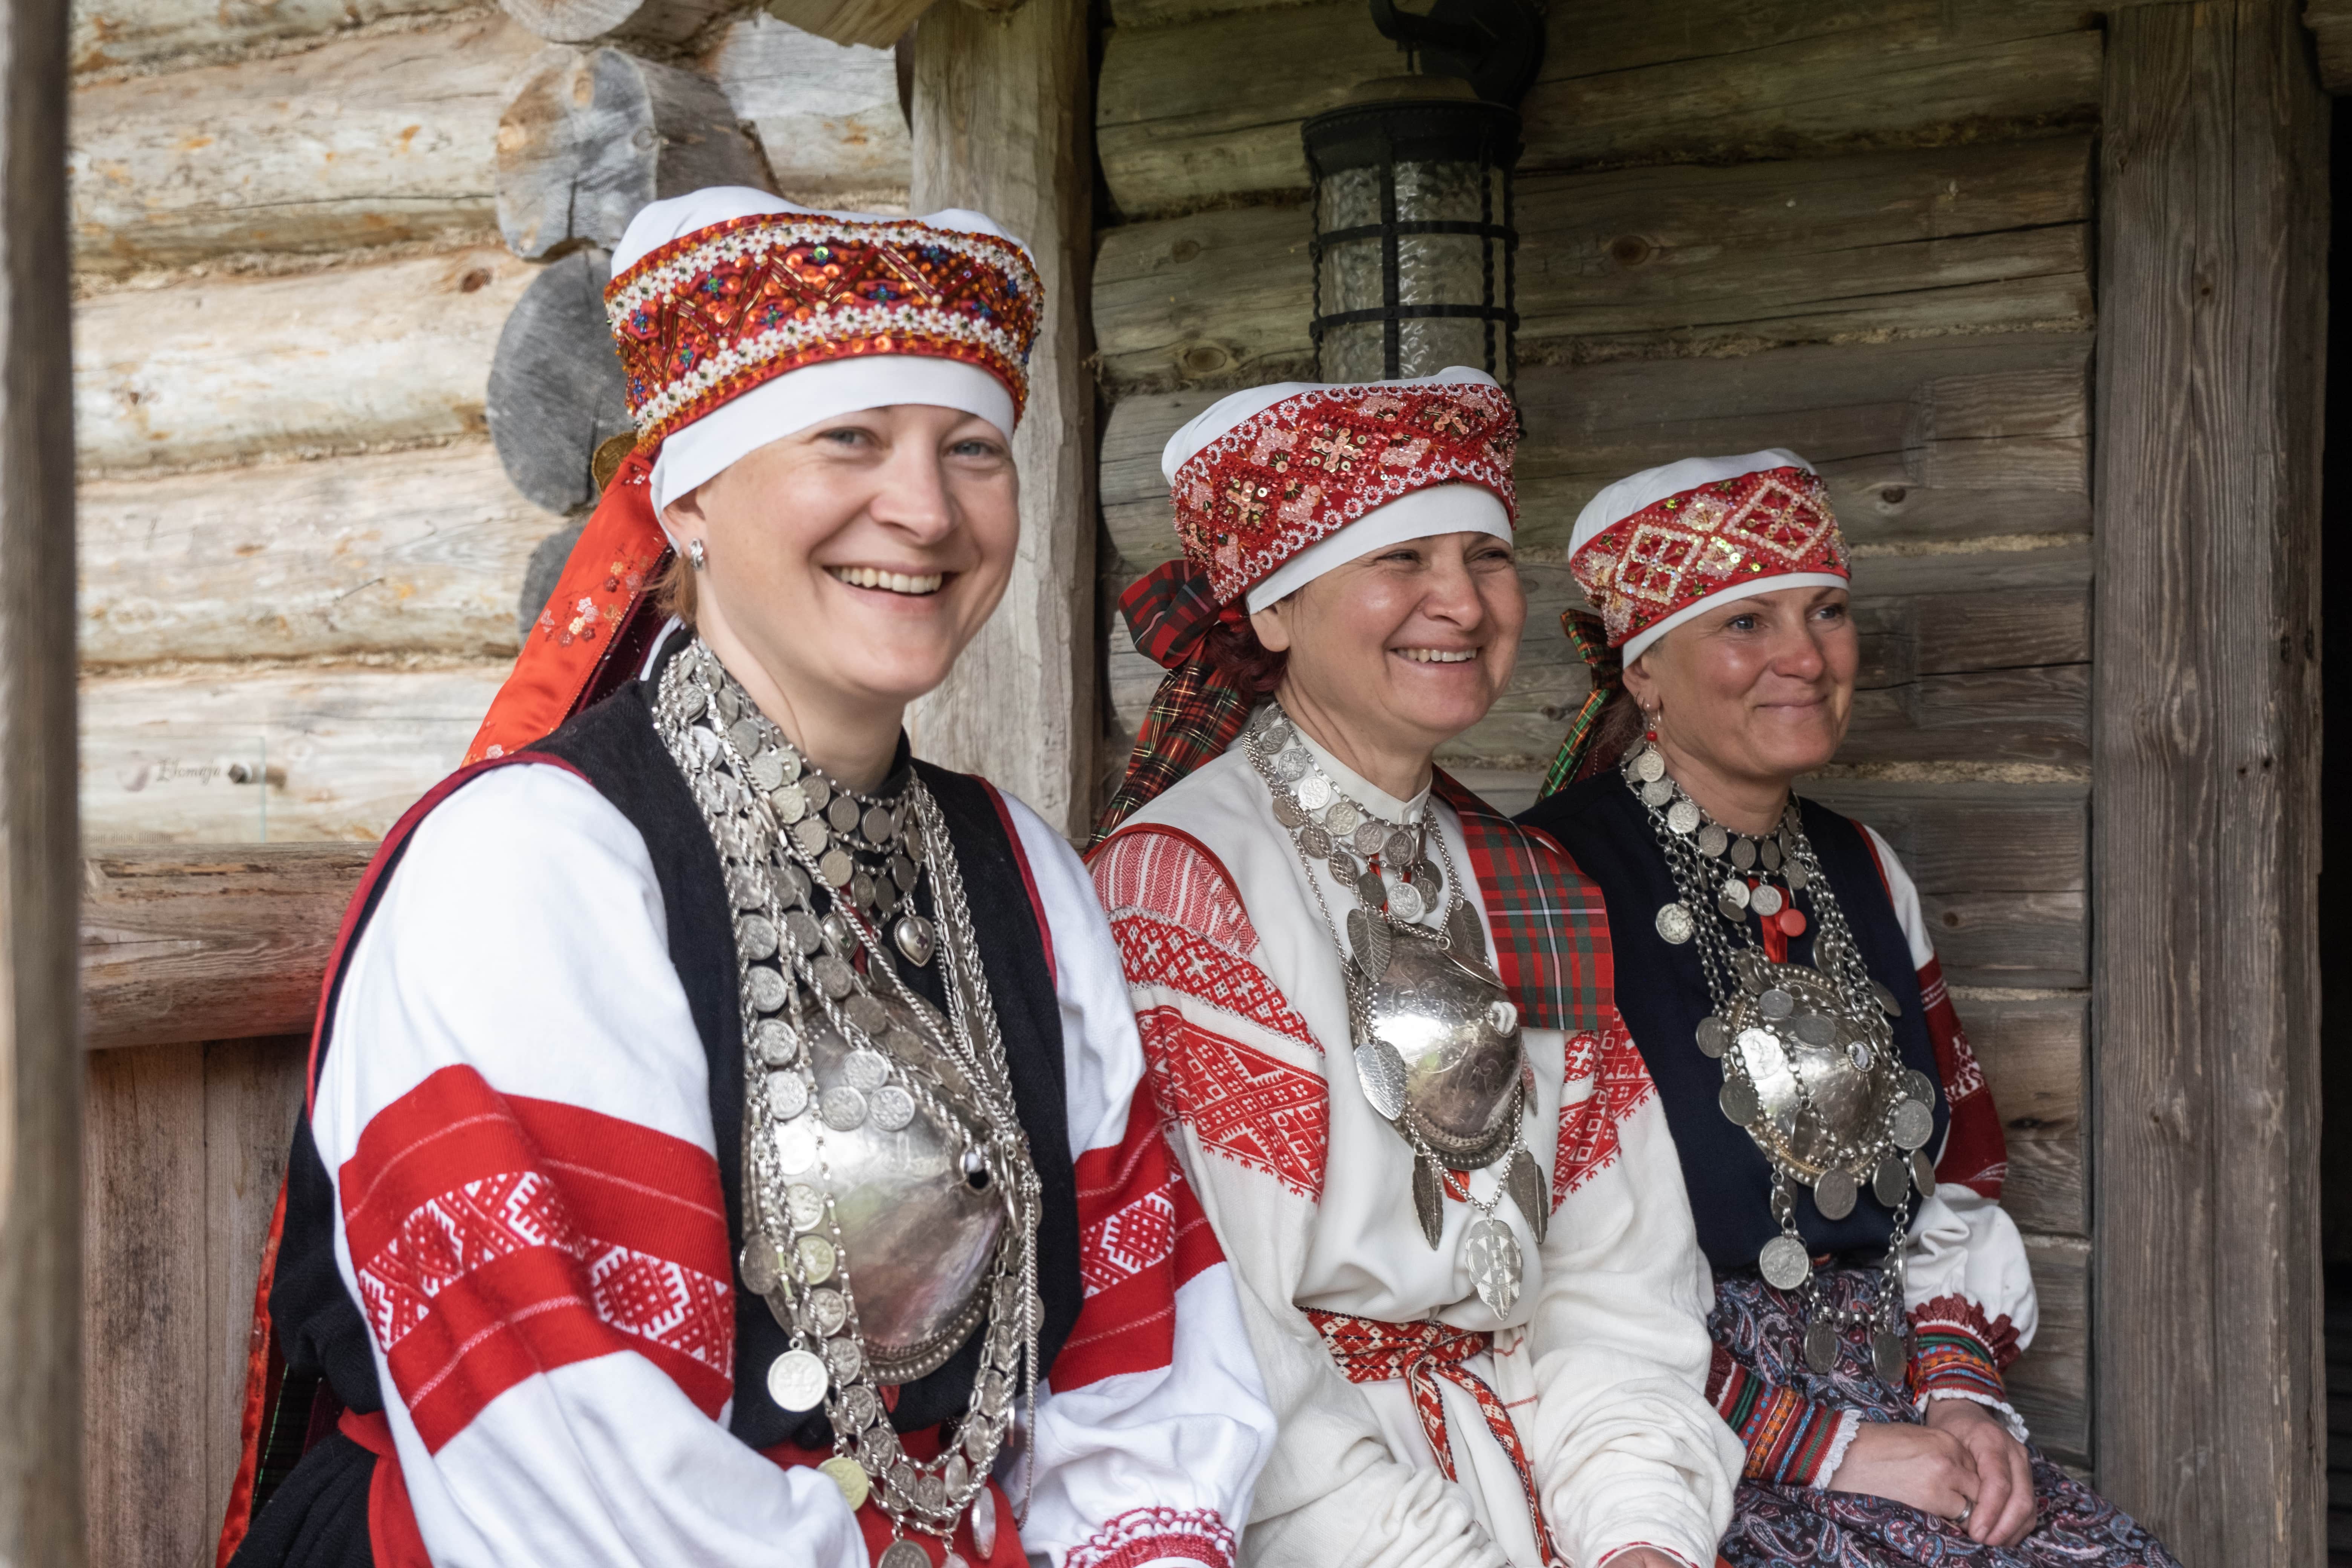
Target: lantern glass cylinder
(1414, 243)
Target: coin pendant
(1835, 1193)
(1918, 1085)
(983, 1523)
(758, 1265)
(766, 986)
(868, 1070)
(1886, 1358)
(903, 1554)
(1820, 1348)
(1287, 811)
(1675, 924)
(1733, 893)
(830, 1310)
(806, 934)
(1315, 793)
(1402, 849)
(795, 1148)
(1886, 1183)
(1923, 1173)
(1650, 766)
(1743, 852)
(1657, 791)
(796, 1381)
(1762, 1049)
(1911, 1124)
(1776, 1004)
(1341, 819)
(1770, 853)
(775, 1043)
(842, 1108)
(1738, 1100)
(1405, 903)
(837, 978)
(1316, 839)
(788, 1094)
(745, 733)
(817, 1258)
(1491, 1253)
(1765, 899)
(1371, 836)
(1276, 733)
(1713, 841)
(1784, 1263)
(836, 867)
(849, 1476)
(1793, 872)
(859, 1406)
(1683, 817)
(1714, 1034)
(810, 833)
(893, 1107)
(845, 1358)
(1816, 1029)
(804, 1205)
(1886, 1001)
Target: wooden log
(41, 1480)
(146, 1354)
(1852, 409)
(877, 24)
(231, 370)
(2330, 22)
(556, 391)
(655, 22)
(1001, 115)
(373, 140)
(1933, 240)
(275, 755)
(399, 552)
(2050, 1384)
(827, 114)
(587, 137)
(1211, 108)
(111, 34)
(208, 944)
(2031, 1049)
(2205, 811)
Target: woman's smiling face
(1758, 690)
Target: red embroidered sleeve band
(1791, 1441)
(1957, 1354)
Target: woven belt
(1370, 1351)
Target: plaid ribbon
(1169, 610)
(1551, 927)
(1194, 716)
(1590, 638)
(1370, 1351)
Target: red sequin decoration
(1674, 553)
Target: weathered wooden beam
(1209, 106)
(2051, 1382)
(1970, 240)
(209, 942)
(230, 370)
(41, 1482)
(272, 754)
(370, 141)
(827, 114)
(586, 137)
(2330, 22)
(2208, 1403)
(111, 33)
(1000, 114)
(556, 390)
(391, 554)
(1927, 438)
(641, 22)
(877, 24)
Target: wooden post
(2208, 1420)
(1002, 113)
(40, 1062)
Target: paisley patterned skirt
(1773, 1525)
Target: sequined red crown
(1674, 553)
(1301, 470)
(711, 315)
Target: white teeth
(1439, 655)
(889, 582)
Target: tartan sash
(1370, 1351)
(1549, 926)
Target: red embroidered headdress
(741, 319)
(1273, 487)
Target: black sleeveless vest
(614, 747)
(1662, 992)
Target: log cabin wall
(305, 234)
(1861, 231)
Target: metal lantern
(1413, 246)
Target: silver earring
(694, 553)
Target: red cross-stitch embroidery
(1588, 1129)
(1679, 551)
(1127, 1241)
(1244, 1104)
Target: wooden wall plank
(1940, 239)
(2032, 1052)
(146, 1356)
(372, 140)
(2330, 22)
(1853, 409)
(827, 114)
(2205, 848)
(1208, 107)
(111, 34)
(2050, 1382)
(416, 551)
(177, 758)
(229, 370)
(180, 945)
(253, 1092)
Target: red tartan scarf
(1549, 926)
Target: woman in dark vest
(1840, 1147)
(722, 1145)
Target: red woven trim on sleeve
(1154, 1535)
(1955, 1347)
(1788, 1437)
(1588, 1129)
(1241, 1103)
(496, 1236)
(1142, 1238)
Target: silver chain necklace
(851, 1080)
(1810, 1067)
(1457, 1089)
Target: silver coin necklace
(878, 1132)
(1810, 1067)
(1434, 1033)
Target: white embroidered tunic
(1601, 1360)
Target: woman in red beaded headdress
(723, 1145)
